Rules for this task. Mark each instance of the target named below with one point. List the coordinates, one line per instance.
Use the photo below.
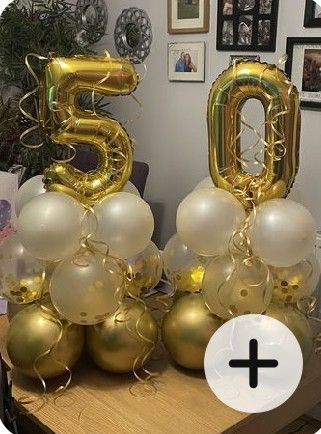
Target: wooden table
(100, 403)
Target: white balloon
(50, 226)
(283, 232)
(30, 189)
(125, 224)
(206, 220)
(205, 183)
(130, 188)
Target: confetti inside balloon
(84, 288)
(21, 278)
(144, 271)
(184, 268)
(237, 285)
(294, 283)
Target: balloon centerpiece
(83, 246)
(257, 247)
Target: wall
(171, 134)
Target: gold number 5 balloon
(68, 124)
(280, 99)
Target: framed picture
(312, 15)
(186, 61)
(247, 25)
(188, 16)
(304, 68)
(238, 58)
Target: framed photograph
(312, 15)
(304, 68)
(186, 61)
(237, 58)
(188, 16)
(247, 25)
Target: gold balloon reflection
(32, 332)
(187, 329)
(124, 340)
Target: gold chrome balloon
(144, 271)
(187, 329)
(291, 284)
(296, 322)
(239, 287)
(124, 341)
(32, 332)
(184, 268)
(280, 99)
(67, 124)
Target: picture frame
(247, 25)
(312, 14)
(186, 61)
(239, 58)
(188, 16)
(303, 67)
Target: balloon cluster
(242, 247)
(82, 254)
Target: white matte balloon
(130, 188)
(206, 220)
(83, 288)
(125, 224)
(205, 183)
(30, 189)
(283, 232)
(50, 226)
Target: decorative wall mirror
(91, 17)
(133, 34)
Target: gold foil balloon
(297, 323)
(144, 271)
(206, 220)
(183, 268)
(125, 224)
(294, 283)
(232, 288)
(187, 329)
(283, 232)
(50, 226)
(280, 99)
(21, 279)
(32, 333)
(67, 124)
(125, 340)
(84, 288)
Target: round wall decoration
(91, 17)
(133, 34)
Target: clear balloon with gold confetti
(291, 284)
(21, 275)
(144, 271)
(183, 268)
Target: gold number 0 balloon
(280, 99)
(66, 123)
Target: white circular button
(253, 363)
